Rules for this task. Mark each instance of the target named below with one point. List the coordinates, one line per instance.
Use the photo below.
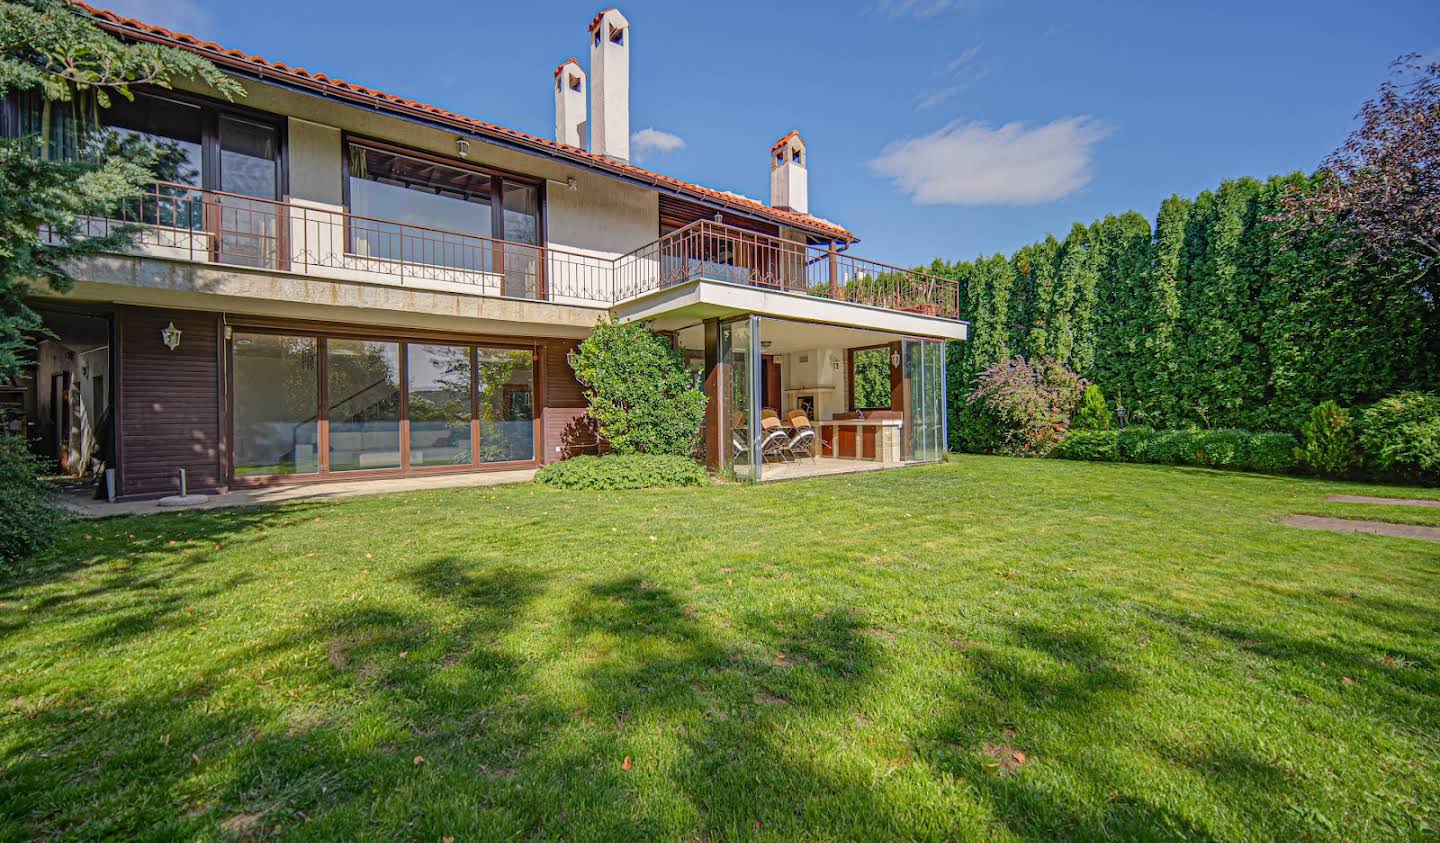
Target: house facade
(332, 282)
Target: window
(507, 404)
(276, 405)
(417, 210)
(364, 393)
(617, 35)
(317, 405)
(870, 378)
(439, 389)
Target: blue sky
(935, 127)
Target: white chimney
(570, 104)
(610, 85)
(789, 183)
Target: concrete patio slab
(1382, 501)
(1355, 525)
(78, 502)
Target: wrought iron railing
(187, 223)
(716, 252)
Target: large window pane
(364, 394)
(522, 225)
(248, 166)
(872, 378)
(738, 413)
(431, 200)
(276, 404)
(171, 131)
(506, 379)
(439, 399)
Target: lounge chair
(774, 441)
(804, 440)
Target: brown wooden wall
(168, 403)
(563, 419)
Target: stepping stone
(1385, 501)
(1355, 525)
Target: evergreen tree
(1157, 375)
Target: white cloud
(183, 15)
(652, 140)
(974, 164)
(914, 8)
(962, 72)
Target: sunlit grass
(989, 648)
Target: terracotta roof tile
(793, 133)
(571, 60)
(222, 55)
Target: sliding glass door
(319, 405)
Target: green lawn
(992, 648)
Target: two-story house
(336, 282)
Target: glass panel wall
(276, 405)
(925, 367)
(249, 166)
(506, 379)
(521, 221)
(391, 189)
(364, 396)
(439, 389)
(739, 410)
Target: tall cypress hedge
(1217, 315)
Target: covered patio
(792, 396)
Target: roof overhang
(302, 81)
(681, 305)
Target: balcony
(180, 222)
(709, 251)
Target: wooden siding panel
(169, 402)
(566, 427)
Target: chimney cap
(567, 62)
(794, 135)
(600, 15)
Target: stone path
(1355, 525)
(1384, 501)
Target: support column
(714, 377)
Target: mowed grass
(991, 648)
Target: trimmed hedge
(29, 515)
(1226, 448)
(623, 471)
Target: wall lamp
(170, 335)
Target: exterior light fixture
(895, 359)
(462, 147)
(170, 335)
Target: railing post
(834, 272)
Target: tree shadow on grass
(306, 730)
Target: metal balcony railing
(716, 252)
(186, 223)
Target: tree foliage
(50, 47)
(1244, 306)
(1029, 404)
(640, 393)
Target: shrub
(1093, 413)
(641, 395)
(1096, 445)
(1400, 435)
(623, 471)
(1131, 444)
(29, 516)
(1271, 453)
(975, 429)
(1327, 440)
(1031, 403)
(1225, 448)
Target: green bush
(623, 471)
(1226, 448)
(1094, 445)
(1093, 413)
(1400, 436)
(641, 395)
(29, 516)
(974, 429)
(1327, 440)
(1131, 444)
(1030, 402)
(1271, 453)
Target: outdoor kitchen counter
(862, 439)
